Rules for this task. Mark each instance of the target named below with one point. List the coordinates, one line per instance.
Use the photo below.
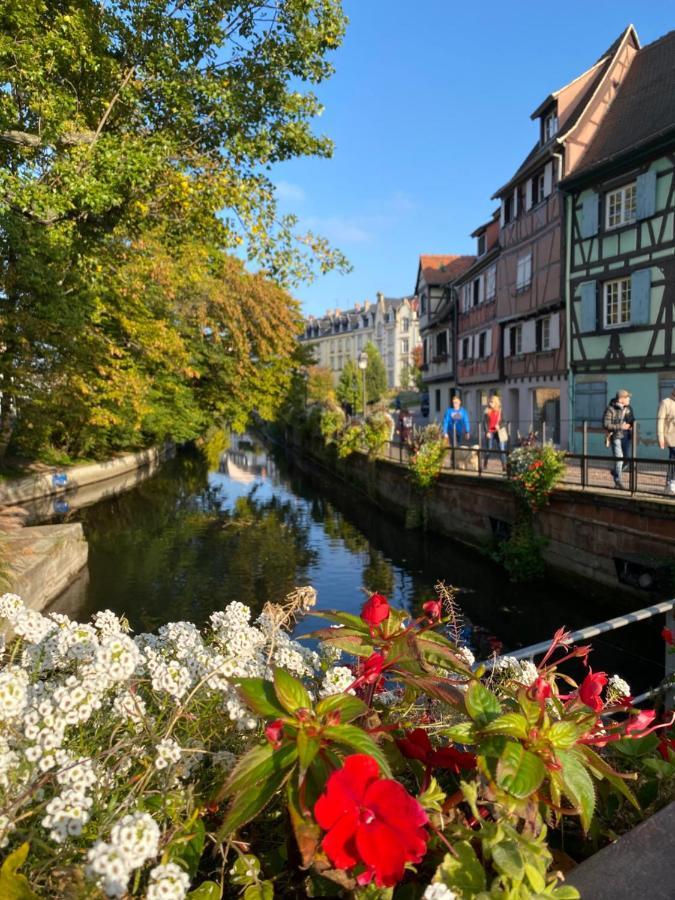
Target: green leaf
(519, 771)
(260, 696)
(291, 692)
(263, 890)
(535, 877)
(508, 860)
(462, 733)
(510, 725)
(603, 769)
(342, 618)
(566, 892)
(187, 846)
(356, 739)
(308, 747)
(565, 734)
(433, 797)
(577, 785)
(481, 704)
(246, 869)
(349, 707)
(13, 885)
(463, 871)
(307, 832)
(247, 804)
(637, 747)
(207, 890)
(257, 765)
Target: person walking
(456, 425)
(496, 436)
(665, 432)
(618, 423)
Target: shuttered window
(617, 303)
(590, 400)
(620, 206)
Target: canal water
(250, 527)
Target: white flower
(118, 657)
(110, 867)
(438, 892)
(6, 826)
(13, 693)
(529, 672)
(168, 882)
(523, 671)
(466, 655)
(617, 687)
(336, 681)
(224, 759)
(66, 814)
(10, 606)
(130, 707)
(168, 752)
(107, 623)
(78, 774)
(137, 837)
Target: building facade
(620, 204)
(478, 331)
(391, 324)
(530, 301)
(436, 276)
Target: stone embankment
(41, 561)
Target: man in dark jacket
(618, 423)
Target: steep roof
(439, 269)
(541, 152)
(643, 110)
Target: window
(481, 244)
(466, 304)
(538, 188)
(437, 393)
(666, 386)
(590, 400)
(405, 325)
(524, 272)
(466, 348)
(405, 348)
(543, 334)
(620, 206)
(550, 126)
(516, 338)
(490, 282)
(442, 343)
(423, 303)
(508, 209)
(481, 344)
(617, 303)
(475, 291)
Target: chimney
(380, 296)
(357, 307)
(366, 305)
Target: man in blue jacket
(456, 419)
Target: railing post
(454, 447)
(669, 696)
(480, 445)
(543, 432)
(584, 455)
(633, 457)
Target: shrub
(521, 553)
(332, 420)
(534, 471)
(427, 455)
(350, 441)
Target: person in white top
(665, 431)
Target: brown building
(530, 277)
(436, 275)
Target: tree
(320, 388)
(349, 389)
(137, 136)
(418, 360)
(376, 374)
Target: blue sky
(429, 109)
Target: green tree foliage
(320, 387)
(349, 389)
(135, 141)
(376, 374)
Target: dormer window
(550, 126)
(481, 244)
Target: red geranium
(375, 610)
(540, 690)
(371, 822)
(591, 688)
(433, 608)
(416, 745)
(369, 671)
(667, 636)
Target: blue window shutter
(588, 319)
(640, 296)
(589, 216)
(645, 195)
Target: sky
(429, 109)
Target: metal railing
(640, 474)
(582, 634)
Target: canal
(250, 527)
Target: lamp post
(363, 365)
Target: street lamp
(363, 365)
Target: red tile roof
(441, 268)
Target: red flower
(433, 608)
(540, 689)
(370, 821)
(369, 671)
(273, 733)
(591, 688)
(375, 610)
(667, 636)
(666, 748)
(416, 745)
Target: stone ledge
(640, 864)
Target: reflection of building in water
(246, 460)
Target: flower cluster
(534, 472)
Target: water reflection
(240, 524)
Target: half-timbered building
(478, 332)
(436, 275)
(530, 276)
(621, 238)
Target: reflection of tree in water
(169, 551)
(337, 528)
(378, 573)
